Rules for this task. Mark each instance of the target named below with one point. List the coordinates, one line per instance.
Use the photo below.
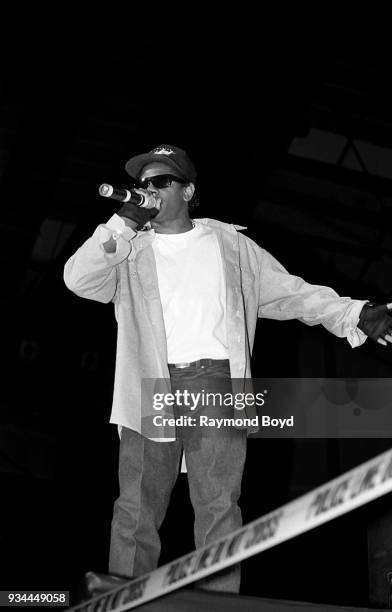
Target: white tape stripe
(338, 496)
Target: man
(187, 295)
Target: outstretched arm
(284, 296)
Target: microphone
(124, 195)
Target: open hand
(375, 321)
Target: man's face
(170, 199)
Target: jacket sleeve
(284, 296)
(92, 272)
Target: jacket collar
(220, 224)
(146, 237)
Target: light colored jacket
(256, 285)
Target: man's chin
(159, 215)
(158, 202)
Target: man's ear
(188, 192)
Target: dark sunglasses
(160, 181)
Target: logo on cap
(163, 151)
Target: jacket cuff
(355, 336)
(117, 229)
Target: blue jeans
(148, 471)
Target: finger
(389, 306)
(381, 341)
(388, 338)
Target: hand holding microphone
(138, 206)
(137, 213)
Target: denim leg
(147, 473)
(215, 461)
(215, 471)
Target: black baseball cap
(174, 157)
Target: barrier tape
(352, 489)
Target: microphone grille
(105, 190)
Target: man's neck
(175, 226)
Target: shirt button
(237, 314)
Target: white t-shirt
(192, 289)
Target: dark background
(70, 117)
